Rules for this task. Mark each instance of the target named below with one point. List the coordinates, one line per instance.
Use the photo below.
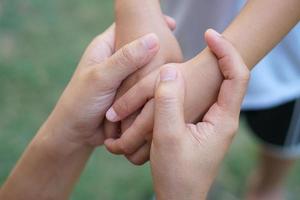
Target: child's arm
(261, 25)
(254, 32)
(135, 18)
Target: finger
(141, 156)
(126, 123)
(234, 70)
(132, 100)
(100, 48)
(135, 136)
(170, 22)
(169, 100)
(113, 146)
(131, 57)
(112, 130)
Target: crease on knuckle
(121, 107)
(124, 147)
(201, 133)
(164, 95)
(129, 57)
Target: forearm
(48, 169)
(135, 18)
(260, 26)
(254, 32)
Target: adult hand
(53, 161)
(202, 77)
(142, 18)
(185, 157)
(82, 106)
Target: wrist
(46, 163)
(180, 193)
(203, 78)
(56, 141)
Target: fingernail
(168, 74)
(216, 33)
(111, 115)
(150, 41)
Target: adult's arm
(53, 161)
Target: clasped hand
(177, 150)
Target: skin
(253, 43)
(55, 158)
(185, 157)
(150, 19)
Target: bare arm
(254, 32)
(135, 18)
(261, 25)
(50, 166)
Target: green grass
(40, 45)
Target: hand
(203, 80)
(56, 156)
(82, 106)
(185, 157)
(169, 52)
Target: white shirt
(275, 80)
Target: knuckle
(93, 74)
(88, 75)
(97, 74)
(129, 56)
(137, 161)
(227, 60)
(126, 149)
(121, 107)
(123, 147)
(232, 127)
(164, 95)
(245, 74)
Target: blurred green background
(40, 45)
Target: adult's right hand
(185, 157)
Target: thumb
(131, 57)
(235, 73)
(169, 102)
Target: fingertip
(212, 38)
(213, 33)
(168, 73)
(109, 145)
(108, 141)
(150, 41)
(171, 22)
(112, 116)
